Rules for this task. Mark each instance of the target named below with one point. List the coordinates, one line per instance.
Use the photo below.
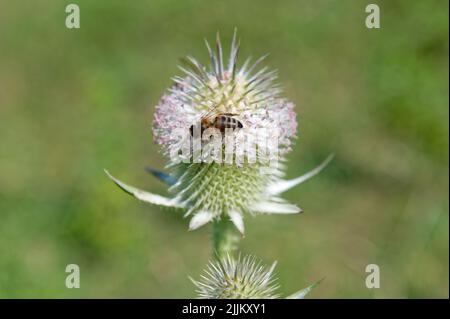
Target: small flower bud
(241, 278)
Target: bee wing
(210, 111)
(206, 114)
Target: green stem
(225, 238)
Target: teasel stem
(225, 238)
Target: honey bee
(220, 121)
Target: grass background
(73, 102)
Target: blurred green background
(73, 102)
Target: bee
(220, 121)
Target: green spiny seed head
(219, 189)
(241, 278)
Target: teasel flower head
(211, 189)
(241, 278)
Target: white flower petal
(302, 293)
(237, 220)
(271, 207)
(283, 185)
(200, 219)
(145, 196)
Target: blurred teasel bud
(241, 104)
(241, 278)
